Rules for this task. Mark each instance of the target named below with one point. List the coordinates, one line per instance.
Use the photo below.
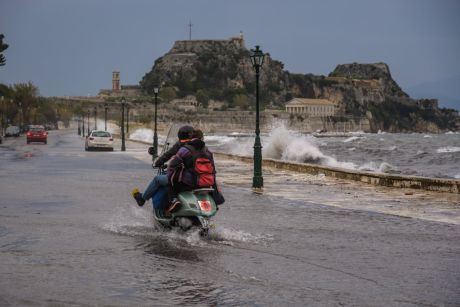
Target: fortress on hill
(182, 54)
(197, 46)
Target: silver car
(99, 139)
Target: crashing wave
(448, 149)
(287, 145)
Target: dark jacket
(169, 154)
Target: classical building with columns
(311, 107)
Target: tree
(3, 47)
(202, 97)
(241, 101)
(167, 94)
(25, 97)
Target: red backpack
(201, 164)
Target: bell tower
(115, 81)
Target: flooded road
(71, 235)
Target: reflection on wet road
(70, 234)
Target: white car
(12, 131)
(98, 139)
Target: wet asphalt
(71, 235)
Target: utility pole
(190, 30)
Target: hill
(445, 90)
(220, 70)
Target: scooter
(195, 207)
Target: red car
(37, 134)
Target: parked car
(12, 131)
(99, 139)
(37, 134)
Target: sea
(415, 154)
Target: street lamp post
(257, 60)
(105, 116)
(95, 117)
(88, 125)
(83, 125)
(3, 115)
(123, 147)
(21, 123)
(155, 134)
(127, 119)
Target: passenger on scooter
(184, 135)
(182, 172)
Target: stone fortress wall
(197, 46)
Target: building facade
(311, 107)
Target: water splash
(288, 145)
(374, 167)
(145, 135)
(231, 236)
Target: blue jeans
(154, 185)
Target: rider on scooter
(184, 135)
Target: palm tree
(3, 47)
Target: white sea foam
(351, 139)
(448, 149)
(420, 152)
(373, 167)
(218, 139)
(392, 148)
(457, 176)
(427, 136)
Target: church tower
(241, 39)
(116, 81)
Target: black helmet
(185, 132)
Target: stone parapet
(388, 180)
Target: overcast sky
(70, 47)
